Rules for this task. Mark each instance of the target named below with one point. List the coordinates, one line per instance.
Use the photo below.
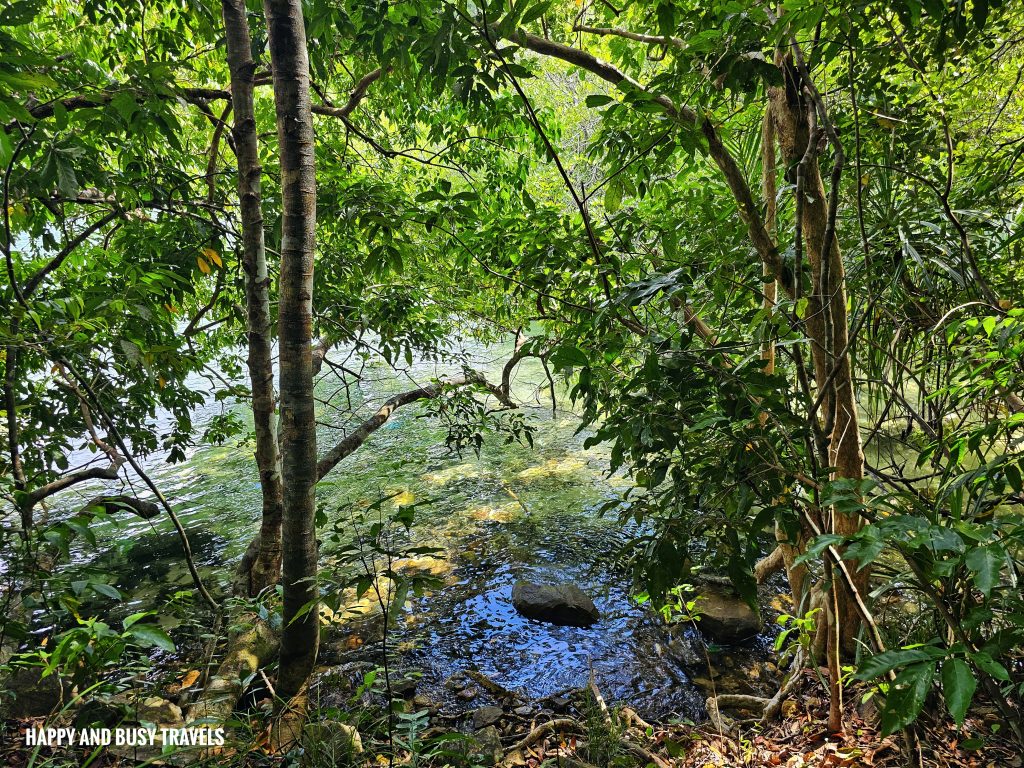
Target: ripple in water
(471, 624)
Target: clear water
(513, 512)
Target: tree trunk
(290, 61)
(13, 438)
(266, 568)
(828, 331)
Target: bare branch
(357, 95)
(359, 436)
(94, 473)
(640, 38)
(66, 251)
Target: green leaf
(537, 11)
(880, 663)
(106, 590)
(958, 685)
(990, 666)
(19, 13)
(612, 196)
(984, 562)
(125, 104)
(1013, 477)
(979, 13)
(6, 150)
(27, 81)
(666, 19)
(134, 618)
(598, 100)
(67, 182)
(907, 696)
(670, 244)
(150, 635)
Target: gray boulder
(486, 716)
(33, 695)
(725, 617)
(563, 604)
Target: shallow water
(513, 512)
(471, 623)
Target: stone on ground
(724, 616)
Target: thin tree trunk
(290, 61)
(827, 325)
(266, 568)
(13, 437)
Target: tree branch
(748, 209)
(357, 95)
(640, 38)
(66, 251)
(31, 498)
(356, 438)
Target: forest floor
(620, 739)
(800, 739)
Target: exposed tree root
(644, 754)
(631, 717)
(740, 701)
(774, 705)
(769, 565)
(248, 650)
(538, 733)
(286, 730)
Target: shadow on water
(514, 512)
(471, 623)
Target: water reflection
(513, 512)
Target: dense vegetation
(771, 251)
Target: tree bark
(290, 61)
(249, 650)
(266, 568)
(13, 437)
(147, 510)
(827, 326)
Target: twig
(543, 730)
(491, 686)
(599, 698)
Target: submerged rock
(563, 604)
(725, 617)
(684, 648)
(154, 709)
